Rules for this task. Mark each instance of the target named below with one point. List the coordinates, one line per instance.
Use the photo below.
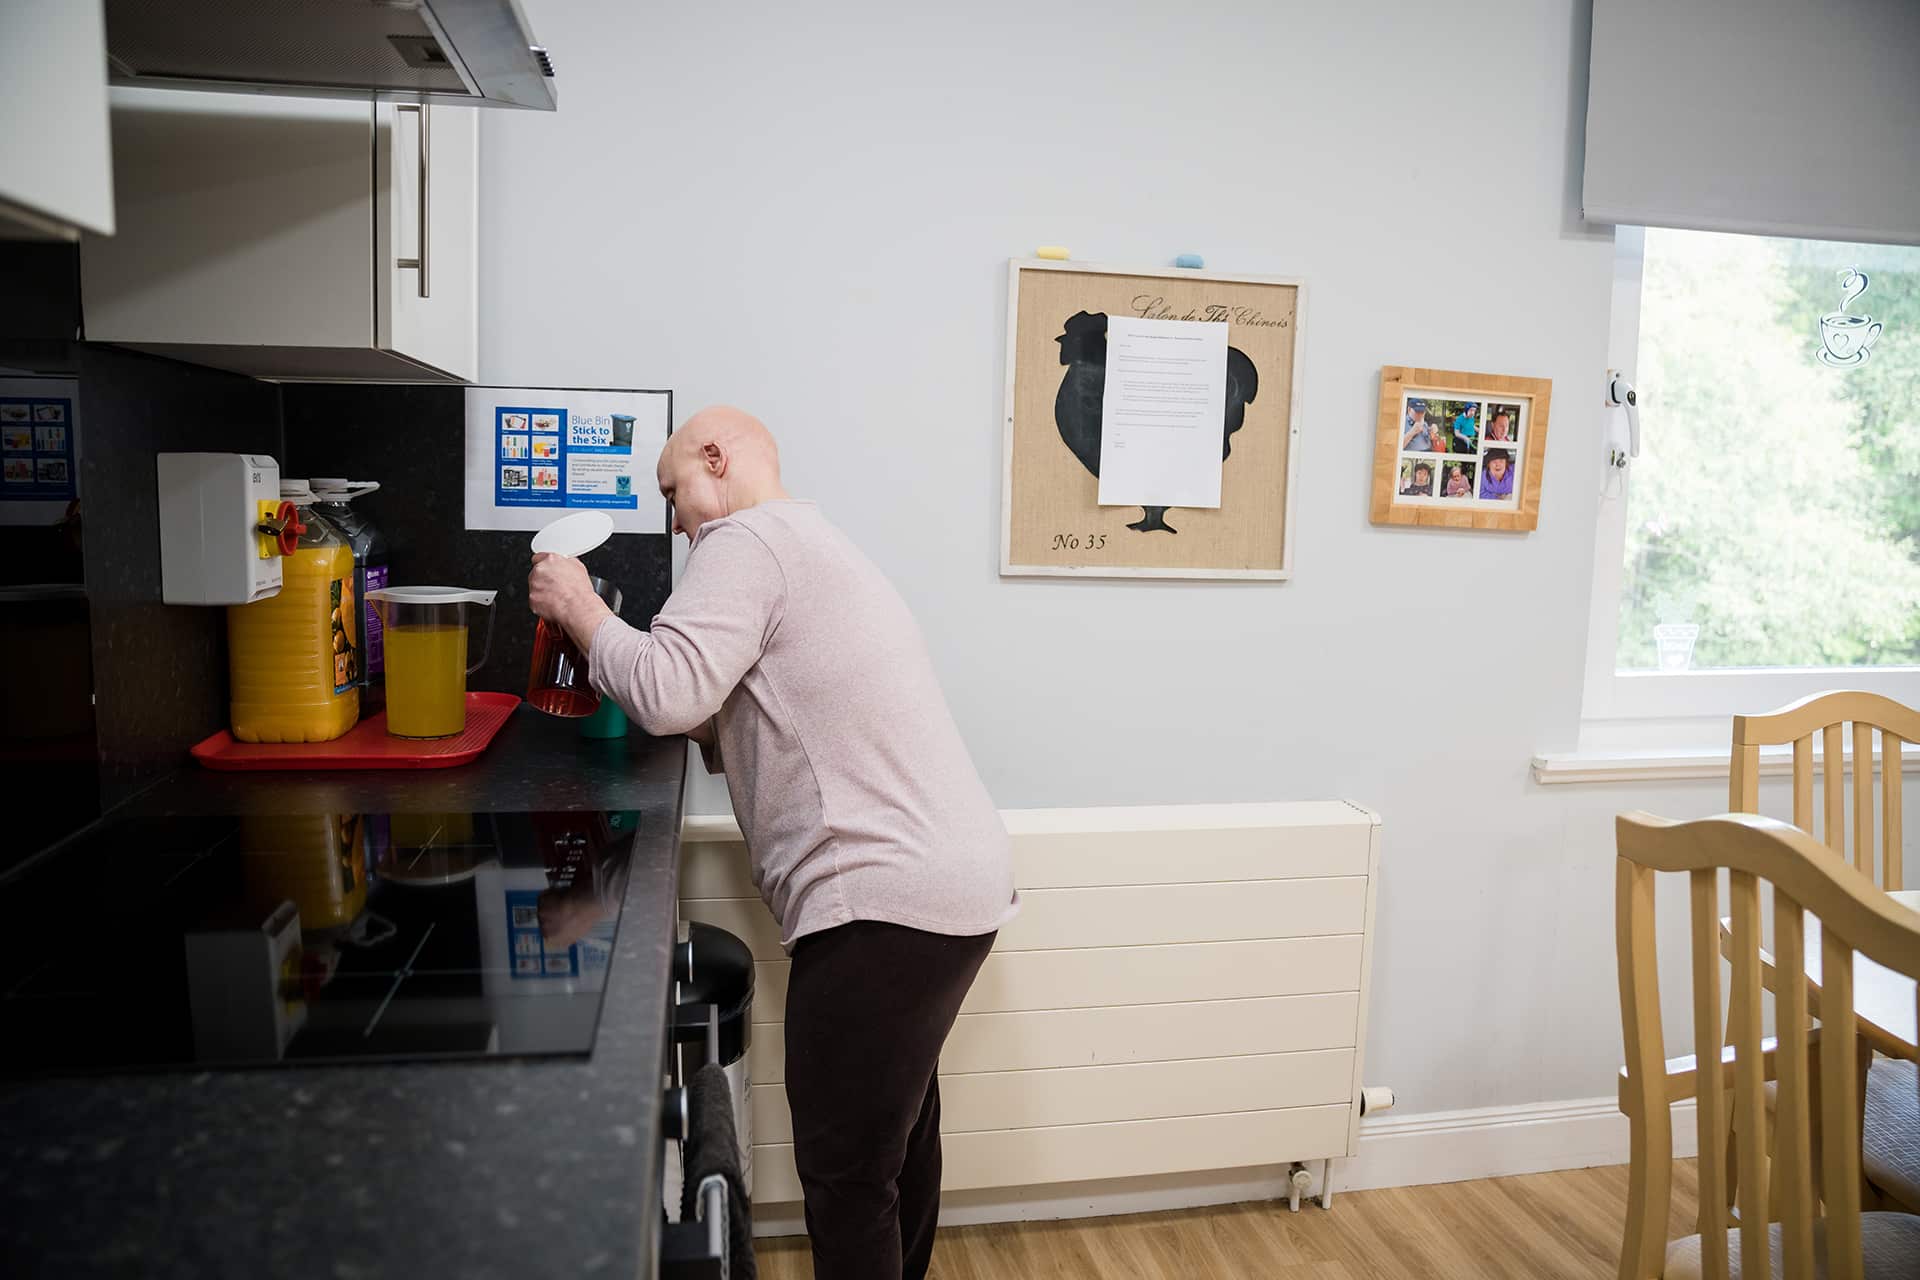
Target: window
(1766, 543)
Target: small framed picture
(1460, 450)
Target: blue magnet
(1192, 261)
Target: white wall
(807, 210)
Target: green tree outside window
(1776, 503)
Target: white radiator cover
(1185, 989)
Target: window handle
(1621, 395)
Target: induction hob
(293, 939)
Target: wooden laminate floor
(1547, 1226)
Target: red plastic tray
(367, 745)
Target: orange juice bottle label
(346, 641)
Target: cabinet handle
(419, 264)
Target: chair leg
(1767, 1143)
(1814, 1111)
(1776, 1211)
(1643, 1247)
(1731, 1179)
(1871, 1201)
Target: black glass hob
(292, 939)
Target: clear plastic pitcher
(557, 682)
(426, 650)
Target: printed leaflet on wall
(1162, 413)
(533, 452)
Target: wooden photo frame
(1460, 450)
(1052, 522)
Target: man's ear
(715, 459)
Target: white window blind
(1772, 117)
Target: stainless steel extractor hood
(479, 52)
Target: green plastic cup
(608, 722)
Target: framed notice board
(39, 443)
(1053, 523)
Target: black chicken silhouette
(1076, 409)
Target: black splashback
(412, 440)
(160, 671)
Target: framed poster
(39, 442)
(1460, 450)
(1052, 519)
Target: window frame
(1691, 701)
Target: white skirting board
(1395, 1151)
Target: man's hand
(560, 590)
(568, 916)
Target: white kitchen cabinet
(56, 175)
(291, 238)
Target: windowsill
(1666, 765)
(1720, 693)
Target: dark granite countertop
(506, 1168)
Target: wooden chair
(1810, 1240)
(1829, 715)
(1892, 1147)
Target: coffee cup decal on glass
(1847, 339)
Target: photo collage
(36, 449)
(1460, 452)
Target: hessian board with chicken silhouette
(1056, 377)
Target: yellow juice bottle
(293, 660)
(318, 860)
(427, 687)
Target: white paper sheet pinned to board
(533, 453)
(1163, 412)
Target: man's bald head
(736, 431)
(722, 460)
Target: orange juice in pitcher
(430, 698)
(293, 659)
(426, 649)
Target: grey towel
(712, 1149)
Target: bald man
(800, 672)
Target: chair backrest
(1854, 917)
(1830, 714)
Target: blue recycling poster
(550, 457)
(532, 453)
